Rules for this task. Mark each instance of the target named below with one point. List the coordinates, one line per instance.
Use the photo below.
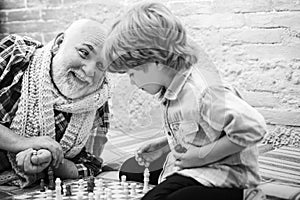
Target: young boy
(211, 133)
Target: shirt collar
(171, 93)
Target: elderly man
(53, 99)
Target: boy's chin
(152, 92)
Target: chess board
(116, 189)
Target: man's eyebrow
(90, 47)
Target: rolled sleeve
(225, 111)
(98, 138)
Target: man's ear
(57, 42)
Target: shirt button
(169, 133)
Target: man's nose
(89, 68)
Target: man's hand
(46, 142)
(150, 152)
(41, 156)
(32, 162)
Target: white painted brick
(215, 20)
(286, 4)
(281, 117)
(249, 35)
(242, 5)
(273, 52)
(274, 19)
(261, 99)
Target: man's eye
(83, 53)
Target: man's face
(77, 66)
(147, 77)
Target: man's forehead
(86, 31)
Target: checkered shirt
(15, 54)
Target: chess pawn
(97, 195)
(80, 195)
(125, 189)
(80, 185)
(108, 193)
(64, 190)
(91, 196)
(123, 179)
(68, 190)
(133, 189)
(42, 186)
(49, 195)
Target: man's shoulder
(15, 39)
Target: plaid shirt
(15, 54)
(199, 110)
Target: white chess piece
(80, 195)
(58, 189)
(49, 194)
(146, 180)
(123, 179)
(91, 196)
(133, 189)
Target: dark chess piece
(42, 186)
(68, 190)
(51, 185)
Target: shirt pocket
(185, 132)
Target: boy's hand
(151, 152)
(189, 158)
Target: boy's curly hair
(148, 32)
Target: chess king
(51, 98)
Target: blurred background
(255, 44)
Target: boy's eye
(83, 53)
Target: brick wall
(255, 44)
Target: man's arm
(10, 141)
(67, 170)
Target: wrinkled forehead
(86, 31)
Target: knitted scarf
(35, 113)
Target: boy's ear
(57, 42)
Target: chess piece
(42, 186)
(80, 185)
(92, 180)
(90, 187)
(51, 185)
(58, 188)
(80, 195)
(49, 194)
(63, 191)
(146, 180)
(68, 190)
(91, 196)
(133, 189)
(123, 179)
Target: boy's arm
(226, 112)
(200, 156)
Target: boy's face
(147, 77)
